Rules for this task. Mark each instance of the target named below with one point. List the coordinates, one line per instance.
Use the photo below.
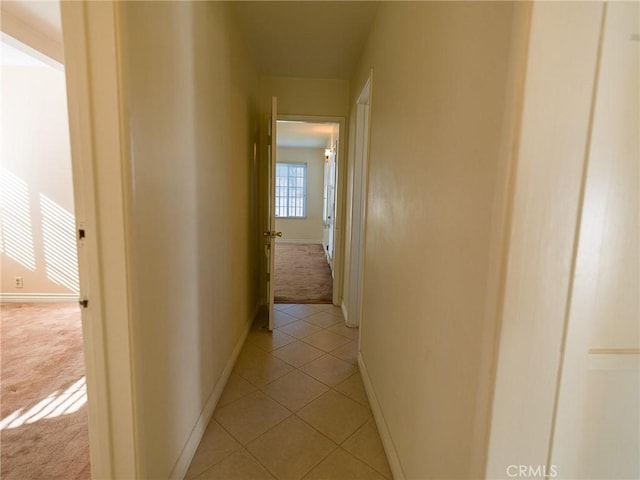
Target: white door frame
(98, 157)
(339, 220)
(359, 203)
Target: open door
(331, 203)
(271, 233)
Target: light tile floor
(294, 407)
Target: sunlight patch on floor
(64, 403)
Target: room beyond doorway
(44, 426)
(305, 206)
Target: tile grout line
(355, 456)
(224, 458)
(295, 414)
(291, 413)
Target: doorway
(44, 396)
(306, 211)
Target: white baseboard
(39, 297)
(189, 450)
(295, 240)
(385, 436)
(346, 317)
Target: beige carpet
(302, 274)
(44, 420)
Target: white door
(331, 207)
(271, 233)
(597, 427)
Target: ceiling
(304, 134)
(316, 39)
(43, 15)
(306, 38)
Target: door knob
(278, 234)
(272, 234)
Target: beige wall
(307, 229)
(192, 112)
(38, 225)
(306, 96)
(439, 77)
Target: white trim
(298, 240)
(191, 446)
(345, 313)
(98, 157)
(359, 193)
(39, 297)
(613, 360)
(385, 435)
(289, 166)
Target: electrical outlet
(18, 282)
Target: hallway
(294, 406)
(489, 212)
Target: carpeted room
(302, 274)
(44, 430)
(305, 205)
(43, 424)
